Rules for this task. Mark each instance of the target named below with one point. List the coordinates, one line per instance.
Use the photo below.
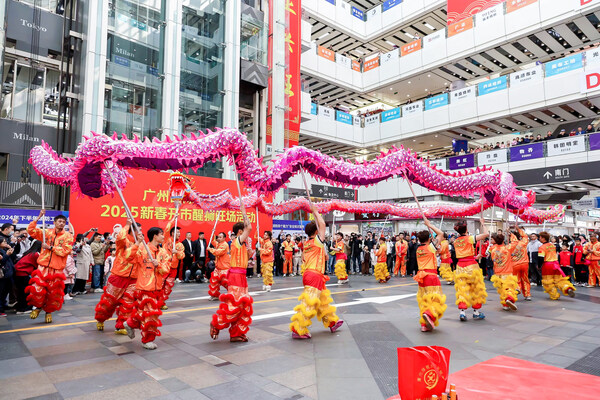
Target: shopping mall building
(463, 89)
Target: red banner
(461, 9)
(371, 64)
(293, 87)
(147, 195)
(460, 26)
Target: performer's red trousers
(46, 289)
(235, 310)
(218, 278)
(118, 296)
(168, 285)
(146, 313)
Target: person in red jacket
(23, 270)
(564, 259)
(581, 265)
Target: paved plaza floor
(69, 359)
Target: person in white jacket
(83, 263)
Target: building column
(94, 54)
(172, 67)
(231, 72)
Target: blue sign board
(343, 117)
(389, 115)
(493, 85)
(564, 65)
(390, 3)
(358, 13)
(331, 1)
(313, 108)
(436, 101)
(121, 61)
(288, 226)
(26, 215)
(527, 152)
(460, 162)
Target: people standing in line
(535, 274)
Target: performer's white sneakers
(212, 298)
(149, 346)
(130, 331)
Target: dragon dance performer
(47, 284)
(468, 278)
(340, 258)
(592, 252)
(431, 299)
(503, 279)
(381, 272)
(520, 261)
(401, 251)
(120, 287)
(316, 298)
(446, 260)
(266, 260)
(149, 287)
(218, 277)
(288, 252)
(175, 258)
(235, 310)
(553, 277)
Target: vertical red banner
(293, 87)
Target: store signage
(436, 101)
(326, 53)
(356, 65)
(460, 162)
(26, 215)
(563, 65)
(390, 3)
(390, 115)
(412, 108)
(461, 9)
(460, 27)
(490, 15)
(434, 37)
(326, 112)
(358, 13)
(590, 80)
(556, 174)
(527, 152)
(592, 56)
(372, 120)
(527, 76)
(288, 226)
(387, 57)
(332, 192)
(43, 28)
(313, 108)
(410, 47)
(570, 145)
(493, 85)
(464, 94)
(586, 204)
(440, 164)
(371, 64)
(17, 138)
(343, 117)
(514, 5)
(357, 122)
(343, 61)
(492, 157)
(594, 141)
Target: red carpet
(507, 378)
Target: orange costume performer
(468, 279)
(431, 299)
(120, 287)
(503, 279)
(381, 272)
(446, 262)
(553, 278)
(401, 250)
(266, 263)
(47, 285)
(235, 310)
(592, 252)
(316, 298)
(148, 293)
(219, 275)
(175, 260)
(340, 261)
(288, 252)
(520, 263)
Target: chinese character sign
(147, 195)
(461, 9)
(527, 152)
(460, 162)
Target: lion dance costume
(446, 262)
(235, 310)
(266, 263)
(148, 293)
(431, 299)
(175, 260)
(381, 272)
(520, 263)
(401, 250)
(504, 281)
(120, 288)
(340, 262)
(47, 285)
(218, 277)
(592, 251)
(468, 279)
(316, 298)
(554, 280)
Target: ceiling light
(426, 90)
(391, 88)
(414, 140)
(429, 75)
(409, 82)
(436, 135)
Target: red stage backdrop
(147, 194)
(461, 9)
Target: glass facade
(254, 39)
(132, 103)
